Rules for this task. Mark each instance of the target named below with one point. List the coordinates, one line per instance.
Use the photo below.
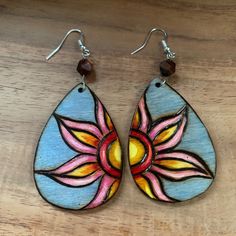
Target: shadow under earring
(78, 163)
(171, 154)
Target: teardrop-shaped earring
(78, 162)
(171, 154)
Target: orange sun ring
(146, 161)
(102, 155)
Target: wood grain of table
(203, 35)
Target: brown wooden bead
(167, 67)
(84, 67)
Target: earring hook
(85, 51)
(169, 54)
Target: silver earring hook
(85, 51)
(169, 54)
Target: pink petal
(81, 125)
(100, 115)
(187, 157)
(163, 124)
(102, 193)
(77, 182)
(175, 139)
(73, 164)
(73, 142)
(177, 175)
(145, 117)
(157, 187)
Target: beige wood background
(203, 34)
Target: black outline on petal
(151, 188)
(59, 122)
(147, 113)
(105, 199)
(184, 109)
(53, 177)
(96, 100)
(207, 171)
(182, 179)
(70, 161)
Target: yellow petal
(113, 189)
(144, 185)
(114, 154)
(136, 151)
(136, 120)
(164, 135)
(174, 164)
(109, 122)
(84, 170)
(86, 138)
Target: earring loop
(169, 54)
(85, 54)
(85, 51)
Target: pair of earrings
(78, 161)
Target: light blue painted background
(164, 101)
(52, 152)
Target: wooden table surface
(203, 34)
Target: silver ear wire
(167, 51)
(85, 51)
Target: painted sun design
(152, 155)
(99, 155)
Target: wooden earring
(78, 163)
(171, 154)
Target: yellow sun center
(136, 151)
(114, 154)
